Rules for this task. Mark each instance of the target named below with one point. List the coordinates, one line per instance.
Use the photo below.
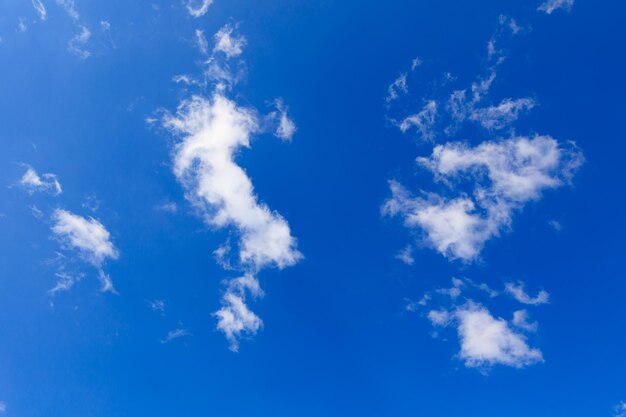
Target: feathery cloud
(550, 6)
(41, 9)
(228, 43)
(517, 292)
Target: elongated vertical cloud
(212, 130)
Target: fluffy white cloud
(213, 131)
(504, 175)
(235, 318)
(228, 43)
(198, 8)
(551, 5)
(33, 182)
(41, 9)
(517, 292)
(487, 341)
(88, 236)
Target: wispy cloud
(229, 43)
(516, 290)
(198, 8)
(77, 43)
(175, 334)
(70, 8)
(550, 6)
(33, 182)
(620, 410)
(40, 9)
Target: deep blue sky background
(336, 339)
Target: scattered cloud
(502, 115)
(516, 290)
(168, 207)
(157, 305)
(77, 43)
(235, 319)
(3, 407)
(423, 122)
(550, 6)
(228, 43)
(90, 239)
(285, 126)
(21, 25)
(485, 340)
(65, 281)
(41, 9)
(33, 182)
(175, 334)
(620, 410)
(556, 225)
(399, 86)
(198, 8)
(406, 255)
(70, 8)
(503, 176)
(88, 236)
(201, 41)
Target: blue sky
(331, 208)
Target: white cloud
(504, 175)
(106, 284)
(502, 115)
(41, 9)
(620, 410)
(168, 207)
(517, 292)
(406, 255)
(77, 43)
(88, 236)
(213, 131)
(520, 319)
(399, 86)
(551, 5)
(33, 182)
(235, 318)
(424, 121)
(175, 334)
(70, 8)
(105, 25)
(157, 305)
(65, 281)
(227, 43)
(198, 8)
(21, 25)
(202, 42)
(285, 127)
(487, 341)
